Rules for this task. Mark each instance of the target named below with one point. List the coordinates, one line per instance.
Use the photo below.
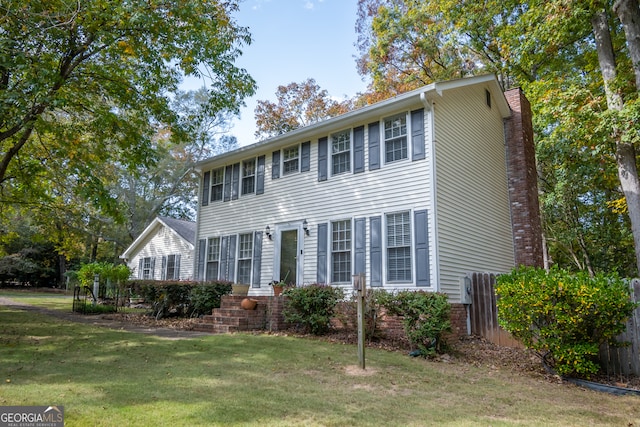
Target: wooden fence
(483, 312)
(484, 322)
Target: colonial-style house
(414, 192)
(163, 251)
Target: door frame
(294, 225)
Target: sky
(294, 40)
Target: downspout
(429, 107)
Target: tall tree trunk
(625, 152)
(628, 12)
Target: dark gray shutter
(275, 165)
(375, 251)
(257, 259)
(202, 245)
(358, 149)
(322, 253)
(224, 257)
(176, 268)
(140, 267)
(417, 134)
(227, 182)
(206, 183)
(323, 161)
(231, 260)
(305, 156)
(260, 175)
(235, 182)
(374, 145)
(422, 247)
(360, 229)
(163, 272)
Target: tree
(110, 67)
(298, 105)
(557, 66)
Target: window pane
(341, 152)
(217, 182)
(171, 267)
(399, 247)
(248, 176)
(213, 258)
(341, 251)
(395, 137)
(290, 160)
(245, 253)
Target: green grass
(104, 377)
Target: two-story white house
(414, 192)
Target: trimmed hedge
(180, 298)
(311, 307)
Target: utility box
(465, 290)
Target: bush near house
(564, 317)
(425, 317)
(179, 298)
(311, 307)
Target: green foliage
(206, 296)
(564, 317)
(116, 274)
(179, 298)
(372, 308)
(311, 307)
(425, 317)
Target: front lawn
(105, 377)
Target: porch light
(305, 227)
(267, 231)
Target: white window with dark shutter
(217, 184)
(245, 256)
(213, 258)
(290, 160)
(395, 138)
(398, 238)
(248, 176)
(147, 268)
(341, 251)
(341, 152)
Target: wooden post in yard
(360, 286)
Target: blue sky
(294, 40)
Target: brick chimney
(523, 181)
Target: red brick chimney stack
(523, 181)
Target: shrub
(372, 308)
(206, 296)
(563, 317)
(425, 317)
(311, 307)
(180, 298)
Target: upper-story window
(341, 152)
(341, 251)
(395, 138)
(290, 160)
(217, 183)
(248, 176)
(245, 256)
(398, 247)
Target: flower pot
(249, 304)
(242, 290)
(277, 290)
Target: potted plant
(278, 287)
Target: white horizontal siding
(162, 241)
(398, 186)
(474, 223)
